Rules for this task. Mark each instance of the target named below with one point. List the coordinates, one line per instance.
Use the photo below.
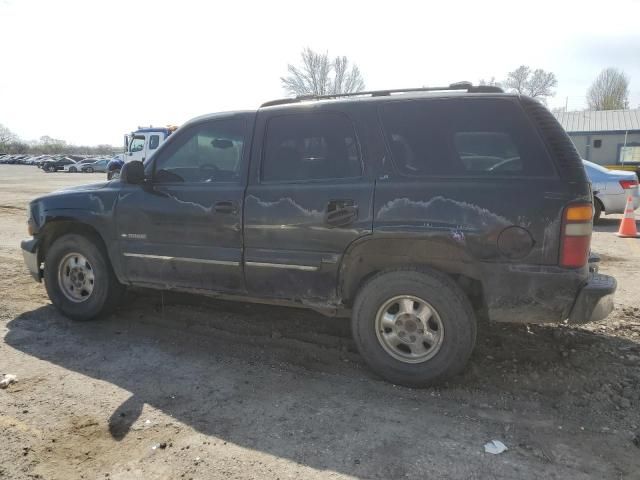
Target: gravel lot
(175, 386)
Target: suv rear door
(474, 174)
(309, 196)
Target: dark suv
(56, 164)
(412, 211)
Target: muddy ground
(174, 386)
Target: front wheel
(89, 170)
(413, 327)
(79, 279)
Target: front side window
(463, 137)
(310, 146)
(137, 144)
(154, 141)
(207, 152)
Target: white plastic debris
(495, 447)
(8, 379)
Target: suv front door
(183, 227)
(307, 200)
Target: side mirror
(132, 173)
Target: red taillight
(576, 235)
(626, 184)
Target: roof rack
(468, 86)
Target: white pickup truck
(139, 145)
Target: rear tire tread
(453, 306)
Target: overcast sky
(89, 71)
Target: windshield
(137, 144)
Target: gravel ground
(176, 386)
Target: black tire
(89, 170)
(597, 210)
(107, 291)
(73, 169)
(452, 307)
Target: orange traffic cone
(628, 224)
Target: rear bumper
(595, 300)
(547, 294)
(30, 254)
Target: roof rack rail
(468, 86)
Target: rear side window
(463, 137)
(310, 146)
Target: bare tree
(6, 136)
(346, 80)
(492, 82)
(517, 80)
(540, 84)
(609, 91)
(318, 75)
(536, 84)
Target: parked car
(409, 211)
(96, 166)
(42, 159)
(609, 189)
(55, 165)
(77, 166)
(72, 167)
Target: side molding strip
(183, 259)
(306, 268)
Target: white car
(77, 167)
(71, 168)
(609, 189)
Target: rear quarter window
(463, 137)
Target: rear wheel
(79, 279)
(597, 210)
(413, 328)
(89, 169)
(73, 169)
